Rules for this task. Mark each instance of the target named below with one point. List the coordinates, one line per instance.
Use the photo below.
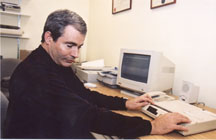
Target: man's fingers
(185, 119)
(143, 104)
(182, 118)
(180, 128)
(144, 99)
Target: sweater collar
(47, 58)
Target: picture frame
(160, 3)
(121, 5)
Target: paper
(93, 65)
(99, 63)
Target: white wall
(185, 32)
(33, 26)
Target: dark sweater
(48, 101)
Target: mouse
(90, 85)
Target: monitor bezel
(135, 85)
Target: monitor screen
(135, 67)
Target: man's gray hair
(58, 20)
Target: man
(48, 101)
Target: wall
(185, 32)
(33, 26)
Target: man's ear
(48, 37)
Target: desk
(173, 135)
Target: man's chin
(67, 64)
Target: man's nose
(75, 52)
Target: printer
(87, 72)
(108, 77)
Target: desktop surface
(173, 135)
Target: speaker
(189, 92)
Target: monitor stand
(131, 93)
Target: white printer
(108, 77)
(88, 71)
(87, 76)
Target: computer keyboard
(194, 113)
(201, 120)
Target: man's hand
(138, 102)
(168, 122)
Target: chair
(8, 65)
(4, 106)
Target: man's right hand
(169, 122)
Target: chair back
(4, 106)
(8, 65)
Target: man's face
(66, 48)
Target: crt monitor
(144, 71)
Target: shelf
(14, 36)
(17, 34)
(14, 13)
(5, 31)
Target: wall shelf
(14, 34)
(14, 13)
